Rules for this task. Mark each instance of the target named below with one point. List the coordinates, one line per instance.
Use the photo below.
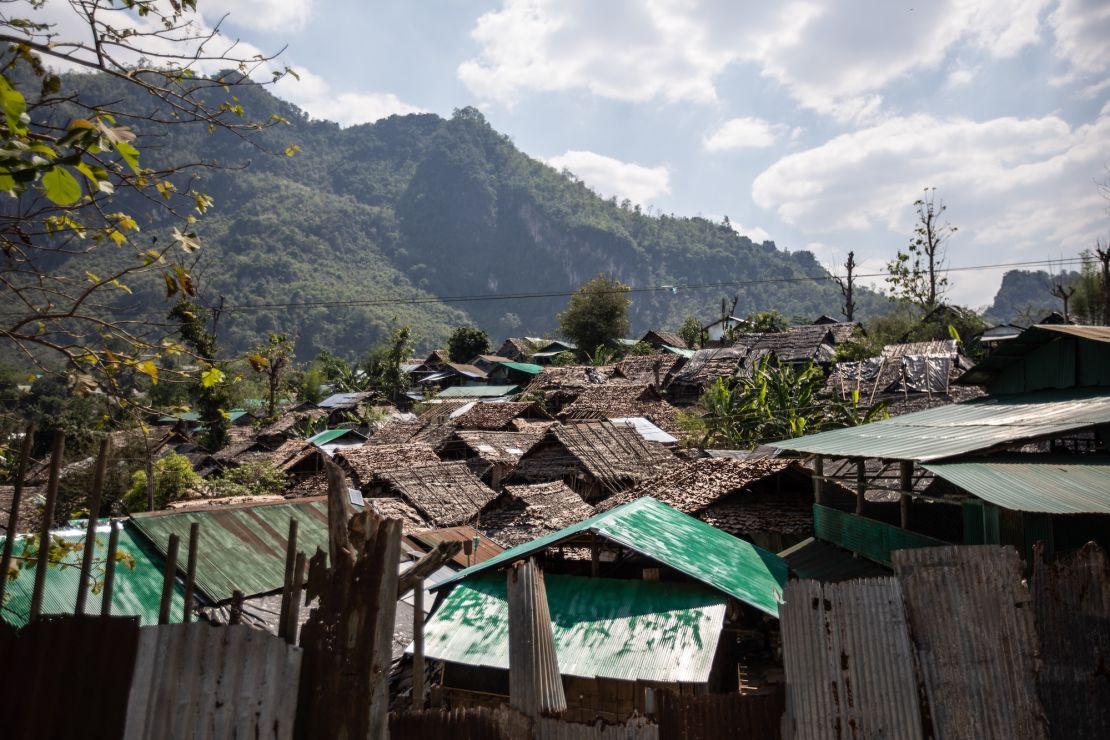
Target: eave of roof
(1011, 350)
(653, 529)
(978, 425)
(1049, 484)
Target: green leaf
(149, 369)
(61, 187)
(14, 105)
(211, 377)
(130, 155)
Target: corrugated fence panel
(712, 716)
(973, 628)
(1072, 603)
(201, 681)
(547, 728)
(66, 677)
(849, 662)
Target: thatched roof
(526, 512)
(516, 348)
(499, 416)
(283, 426)
(391, 507)
(395, 433)
(614, 455)
(654, 368)
(445, 493)
(312, 485)
(814, 342)
(611, 401)
(709, 364)
(367, 462)
(570, 377)
(660, 337)
(497, 447)
(30, 511)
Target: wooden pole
(819, 479)
(293, 617)
(13, 515)
(418, 645)
(41, 563)
(149, 481)
(236, 615)
(168, 578)
(109, 570)
(861, 485)
(90, 530)
(287, 587)
(906, 484)
(595, 556)
(190, 573)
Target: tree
(918, 275)
(690, 331)
(466, 343)
(210, 388)
(174, 479)
(766, 322)
(80, 193)
(383, 364)
(847, 287)
(597, 314)
(271, 360)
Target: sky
(815, 124)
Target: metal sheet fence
(713, 716)
(83, 664)
(206, 682)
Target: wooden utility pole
(168, 578)
(42, 561)
(90, 529)
(190, 573)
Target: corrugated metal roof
(241, 547)
(848, 660)
(1009, 351)
(1050, 484)
(972, 623)
(477, 391)
(960, 428)
(524, 367)
(487, 548)
(330, 435)
(645, 429)
(603, 627)
(730, 565)
(135, 590)
(1096, 333)
(343, 399)
(815, 560)
(682, 351)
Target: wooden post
(819, 479)
(149, 481)
(236, 613)
(339, 512)
(109, 570)
(190, 573)
(168, 578)
(13, 515)
(418, 645)
(861, 485)
(42, 560)
(906, 485)
(595, 556)
(90, 530)
(293, 616)
(287, 587)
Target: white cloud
(1017, 188)
(1082, 29)
(755, 233)
(611, 176)
(260, 15)
(833, 56)
(743, 133)
(313, 94)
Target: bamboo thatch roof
(611, 401)
(391, 507)
(498, 447)
(499, 416)
(614, 455)
(445, 493)
(526, 512)
(367, 461)
(653, 368)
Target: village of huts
(536, 543)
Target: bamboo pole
(90, 529)
(819, 479)
(287, 587)
(418, 645)
(168, 578)
(190, 573)
(293, 616)
(109, 570)
(13, 515)
(41, 561)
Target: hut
(502, 417)
(617, 400)
(492, 456)
(523, 513)
(445, 494)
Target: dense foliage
(466, 343)
(596, 315)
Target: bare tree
(1064, 294)
(76, 185)
(1102, 251)
(918, 275)
(847, 287)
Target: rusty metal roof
(622, 629)
(653, 529)
(241, 547)
(1050, 484)
(961, 428)
(428, 539)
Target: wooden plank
(13, 515)
(90, 528)
(42, 563)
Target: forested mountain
(381, 221)
(1025, 296)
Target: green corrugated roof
(477, 391)
(961, 428)
(622, 629)
(524, 367)
(186, 416)
(241, 547)
(330, 435)
(687, 353)
(1050, 484)
(135, 591)
(653, 529)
